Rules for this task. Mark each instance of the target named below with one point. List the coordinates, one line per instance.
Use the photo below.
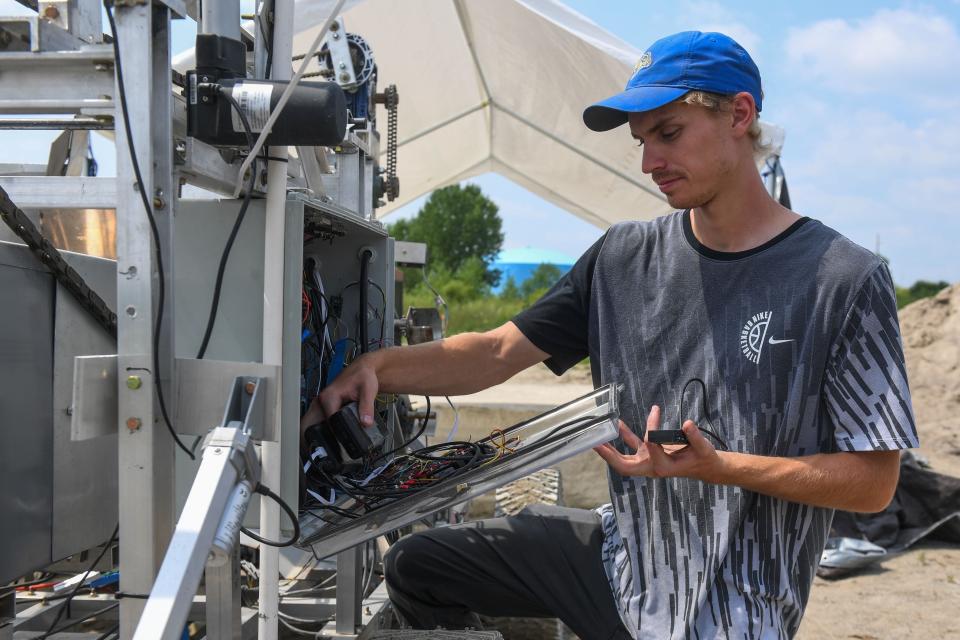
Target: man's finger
(696, 438)
(612, 457)
(653, 419)
(368, 393)
(628, 436)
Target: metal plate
(545, 440)
(26, 351)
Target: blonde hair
(718, 103)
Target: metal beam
(58, 81)
(146, 460)
(55, 192)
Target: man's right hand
(357, 382)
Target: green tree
(542, 278)
(510, 290)
(920, 289)
(457, 223)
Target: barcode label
(254, 101)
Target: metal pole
(145, 449)
(221, 17)
(349, 589)
(273, 260)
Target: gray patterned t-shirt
(799, 346)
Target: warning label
(254, 101)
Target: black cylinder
(314, 115)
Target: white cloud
(898, 49)
(872, 175)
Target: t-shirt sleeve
(557, 322)
(866, 391)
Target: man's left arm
(849, 480)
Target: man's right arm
(465, 363)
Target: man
(770, 339)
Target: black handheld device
(667, 436)
(357, 440)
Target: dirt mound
(931, 341)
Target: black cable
(423, 427)
(710, 432)
(265, 491)
(365, 256)
(79, 585)
(225, 256)
(154, 230)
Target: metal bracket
(339, 49)
(196, 414)
(95, 387)
(94, 397)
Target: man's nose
(652, 160)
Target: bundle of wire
(367, 487)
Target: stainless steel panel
(26, 362)
(85, 472)
(201, 231)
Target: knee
(403, 559)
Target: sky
(867, 92)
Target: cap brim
(612, 112)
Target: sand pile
(931, 337)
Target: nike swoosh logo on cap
(775, 341)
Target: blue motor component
(107, 579)
(341, 349)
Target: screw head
(342, 65)
(51, 13)
(158, 202)
(344, 77)
(133, 424)
(134, 382)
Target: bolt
(131, 311)
(134, 382)
(344, 77)
(51, 13)
(103, 66)
(334, 26)
(249, 388)
(133, 424)
(158, 202)
(205, 99)
(336, 36)
(342, 65)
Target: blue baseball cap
(673, 66)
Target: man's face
(689, 151)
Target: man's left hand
(698, 459)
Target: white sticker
(193, 88)
(254, 101)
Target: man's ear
(744, 112)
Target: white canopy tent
(500, 85)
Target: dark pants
(543, 563)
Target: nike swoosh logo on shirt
(775, 341)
